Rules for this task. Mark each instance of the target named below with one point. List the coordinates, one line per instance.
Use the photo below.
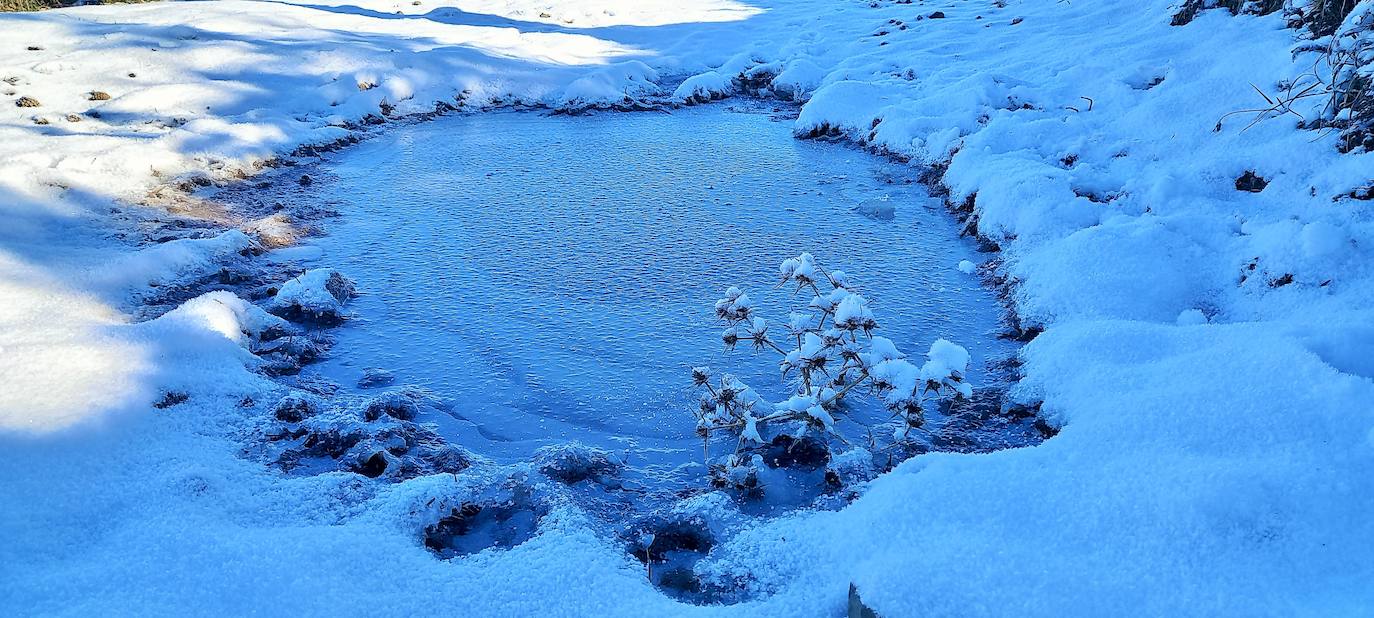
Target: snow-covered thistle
(828, 352)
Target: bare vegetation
(11, 6)
(828, 352)
(1336, 91)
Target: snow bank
(1193, 415)
(68, 354)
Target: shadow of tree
(210, 86)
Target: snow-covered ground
(1207, 350)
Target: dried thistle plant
(828, 351)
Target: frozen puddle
(553, 277)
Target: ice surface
(554, 276)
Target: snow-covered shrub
(1336, 91)
(1189, 9)
(1322, 17)
(828, 352)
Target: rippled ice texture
(554, 276)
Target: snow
(853, 313)
(227, 315)
(1191, 317)
(705, 87)
(1205, 351)
(320, 293)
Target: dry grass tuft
(12, 6)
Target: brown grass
(11, 6)
(28, 5)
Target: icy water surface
(554, 277)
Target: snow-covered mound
(1203, 292)
(317, 294)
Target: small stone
(39, 120)
(73, 118)
(27, 102)
(805, 453)
(573, 463)
(937, 15)
(1251, 182)
(306, 180)
(275, 231)
(171, 398)
(403, 404)
(296, 407)
(374, 377)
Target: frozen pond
(554, 276)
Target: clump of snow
(946, 365)
(705, 87)
(1191, 317)
(317, 294)
(306, 433)
(798, 79)
(228, 315)
(966, 267)
(168, 263)
(629, 81)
